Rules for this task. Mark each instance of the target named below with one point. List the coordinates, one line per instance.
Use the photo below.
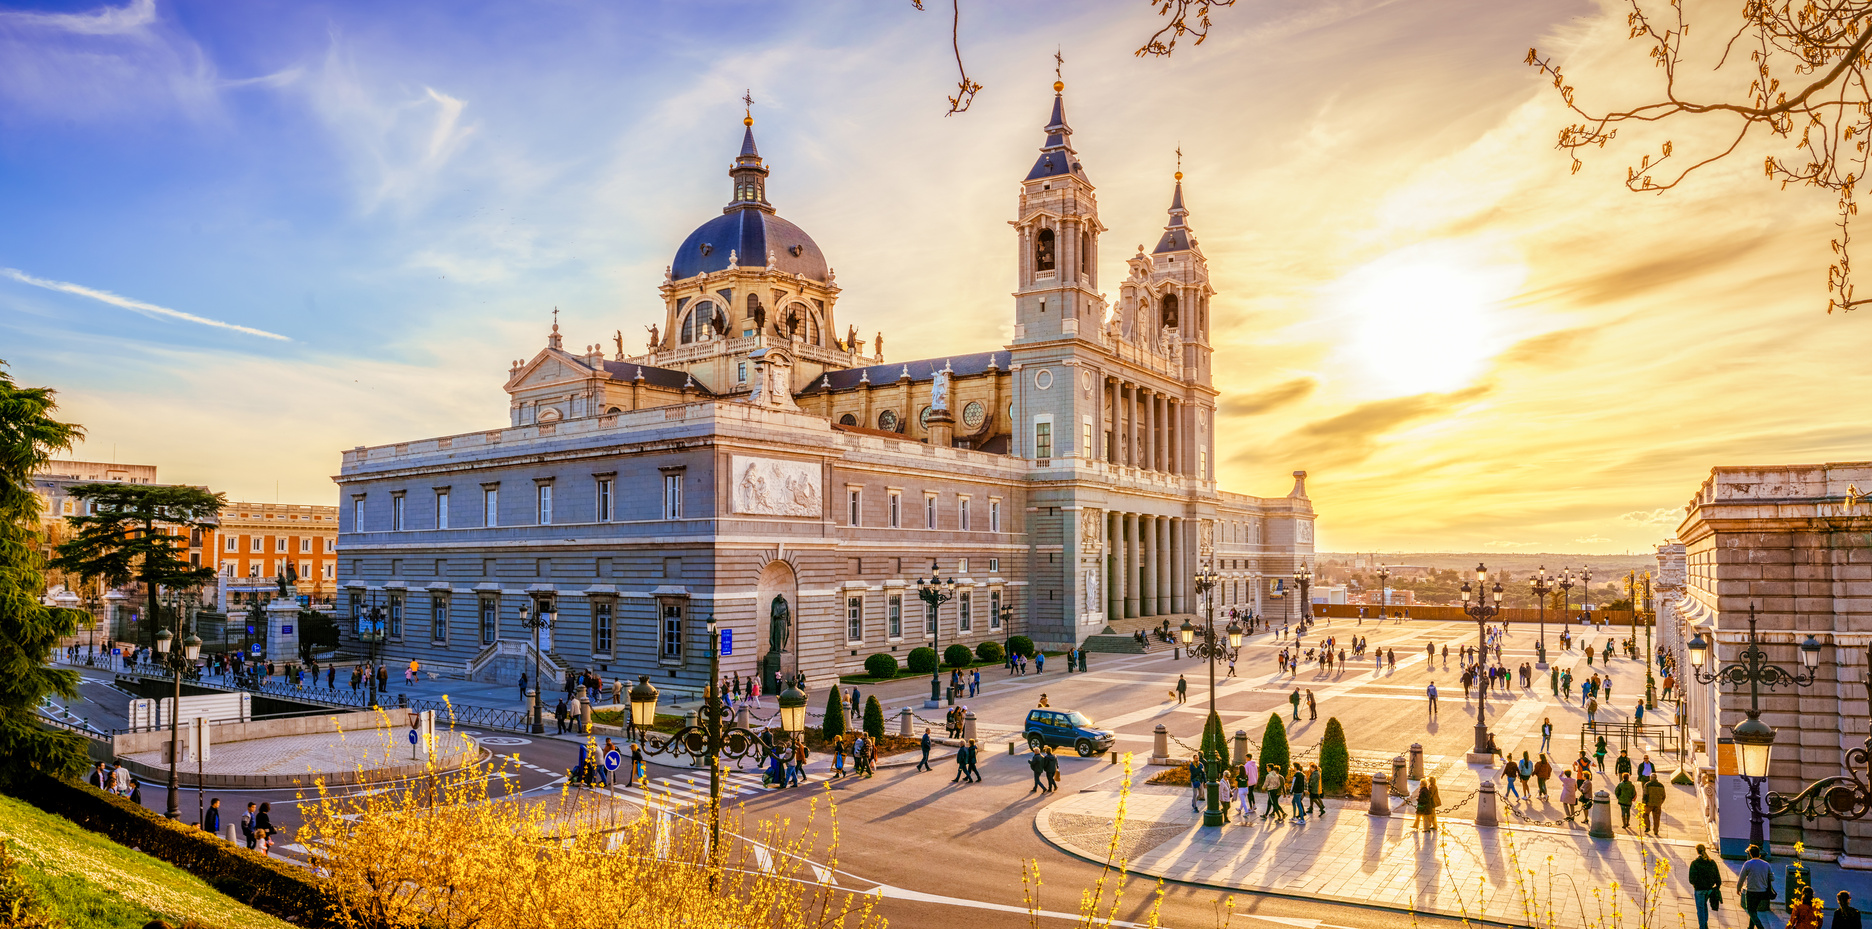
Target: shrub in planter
(990, 652)
(1335, 758)
(957, 655)
(881, 666)
(1274, 744)
(1021, 645)
(922, 660)
(874, 718)
(834, 724)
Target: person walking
(211, 819)
(1526, 771)
(961, 766)
(838, 759)
(974, 753)
(1755, 885)
(1297, 778)
(1543, 770)
(1569, 794)
(1294, 698)
(1625, 793)
(1623, 765)
(1599, 753)
(1430, 693)
(1845, 916)
(924, 764)
(1312, 708)
(1272, 784)
(1244, 789)
(1510, 771)
(1182, 690)
(640, 772)
(247, 825)
(1037, 765)
(263, 828)
(1197, 777)
(1426, 805)
(1052, 769)
(1705, 877)
(1646, 769)
(1546, 733)
(1316, 792)
(1654, 794)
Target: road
(939, 850)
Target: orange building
(256, 542)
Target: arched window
(1085, 250)
(812, 328)
(696, 326)
(753, 303)
(848, 420)
(1170, 310)
(1043, 251)
(689, 328)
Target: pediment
(550, 367)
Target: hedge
(957, 655)
(1021, 645)
(881, 666)
(874, 718)
(922, 660)
(266, 884)
(1274, 744)
(834, 724)
(1335, 758)
(990, 652)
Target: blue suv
(1067, 727)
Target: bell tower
(1056, 233)
(1178, 292)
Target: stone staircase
(1116, 637)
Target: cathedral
(755, 467)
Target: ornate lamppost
(1642, 607)
(1210, 650)
(1303, 576)
(371, 632)
(1754, 738)
(177, 662)
(537, 617)
(1566, 584)
(1482, 605)
(935, 592)
(1540, 585)
(1585, 588)
(1384, 591)
(711, 741)
(1842, 796)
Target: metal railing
(1664, 738)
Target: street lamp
(370, 631)
(537, 617)
(1304, 577)
(711, 741)
(1482, 609)
(191, 649)
(935, 592)
(1540, 584)
(1210, 650)
(1642, 607)
(1842, 796)
(1754, 739)
(1567, 581)
(1384, 591)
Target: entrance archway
(776, 593)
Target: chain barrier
(1451, 807)
(1531, 819)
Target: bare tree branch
(1817, 48)
(1180, 25)
(965, 88)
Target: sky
(239, 238)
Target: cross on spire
(1179, 153)
(1059, 61)
(747, 99)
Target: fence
(459, 714)
(1555, 618)
(1665, 739)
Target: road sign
(255, 649)
(612, 759)
(727, 641)
(414, 736)
(285, 630)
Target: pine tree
(1214, 746)
(129, 535)
(1335, 758)
(1274, 744)
(834, 725)
(874, 718)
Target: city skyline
(249, 239)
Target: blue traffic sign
(414, 737)
(612, 759)
(727, 641)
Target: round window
(1043, 378)
(923, 417)
(973, 414)
(887, 420)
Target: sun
(1423, 319)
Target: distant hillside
(1441, 574)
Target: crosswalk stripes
(681, 792)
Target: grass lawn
(91, 882)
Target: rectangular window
(253, 569)
(855, 500)
(305, 544)
(994, 566)
(1202, 464)
(896, 509)
(601, 627)
(1085, 437)
(438, 618)
(672, 496)
(396, 513)
(895, 616)
(396, 617)
(965, 606)
(545, 504)
(604, 501)
(331, 571)
(929, 619)
(962, 566)
(490, 506)
(331, 545)
(994, 516)
(671, 646)
(1043, 440)
(233, 543)
(357, 514)
(490, 620)
(741, 373)
(305, 570)
(854, 619)
(441, 509)
(962, 514)
(929, 511)
(994, 609)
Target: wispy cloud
(109, 20)
(1271, 399)
(1662, 516)
(147, 309)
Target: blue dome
(749, 232)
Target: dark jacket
(1704, 875)
(1846, 917)
(1625, 793)
(211, 821)
(926, 742)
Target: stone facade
(1794, 542)
(755, 467)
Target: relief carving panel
(776, 487)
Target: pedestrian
(1272, 784)
(1625, 793)
(1430, 692)
(605, 775)
(247, 824)
(1638, 713)
(1705, 881)
(1803, 912)
(924, 764)
(1646, 769)
(1599, 752)
(961, 765)
(974, 681)
(211, 820)
(559, 717)
(1510, 771)
(1312, 708)
(523, 683)
(1546, 732)
(857, 711)
(1623, 765)
(1526, 771)
(1182, 690)
(1244, 789)
(1316, 792)
(1052, 770)
(1755, 885)
(136, 792)
(263, 827)
(1844, 916)
(1654, 793)
(1197, 777)
(1294, 698)
(838, 759)
(1569, 793)
(974, 754)
(1297, 778)
(640, 772)
(1038, 767)
(1426, 805)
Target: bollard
(1160, 745)
(1012, 749)
(1380, 803)
(690, 718)
(903, 722)
(1240, 753)
(585, 713)
(1485, 809)
(232, 829)
(968, 725)
(741, 716)
(1416, 761)
(1400, 786)
(1599, 820)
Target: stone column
(1130, 424)
(1114, 566)
(1133, 566)
(1173, 428)
(1161, 408)
(1179, 572)
(1147, 564)
(1163, 565)
(1144, 428)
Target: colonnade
(1148, 565)
(1146, 428)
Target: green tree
(922, 660)
(1335, 758)
(128, 536)
(29, 631)
(318, 632)
(874, 718)
(1021, 645)
(834, 725)
(958, 655)
(1214, 746)
(1274, 744)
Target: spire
(750, 175)
(1057, 157)
(1176, 237)
(552, 341)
